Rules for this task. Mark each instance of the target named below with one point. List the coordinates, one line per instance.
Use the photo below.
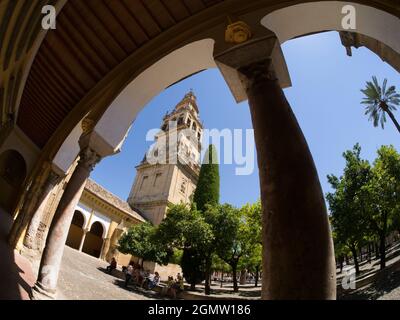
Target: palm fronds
(379, 100)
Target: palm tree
(380, 101)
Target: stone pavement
(82, 277)
(388, 285)
(16, 273)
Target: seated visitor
(180, 282)
(154, 280)
(128, 274)
(112, 266)
(136, 275)
(145, 278)
(171, 287)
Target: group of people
(145, 279)
(174, 286)
(140, 277)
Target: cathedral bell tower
(170, 169)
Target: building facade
(99, 220)
(170, 170)
(168, 174)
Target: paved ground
(16, 273)
(82, 277)
(387, 289)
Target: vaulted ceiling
(92, 37)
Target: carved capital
(258, 72)
(88, 158)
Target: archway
(112, 139)
(12, 175)
(94, 240)
(75, 232)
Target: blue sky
(325, 97)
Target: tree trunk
(234, 276)
(382, 250)
(207, 288)
(376, 250)
(391, 115)
(346, 257)
(341, 263)
(257, 275)
(193, 286)
(369, 253)
(354, 252)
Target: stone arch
(378, 28)
(76, 230)
(179, 64)
(13, 170)
(94, 240)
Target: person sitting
(112, 266)
(180, 282)
(136, 275)
(178, 285)
(154, 280)
(128, 274)
(145, 278)
(171, 287)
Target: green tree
(141, 241)
(207, 193)
(184, 228)
(193, 265)
(380, 101)
(348, 203)
(207, 190)
(228, 242)
(252, 259)
(384, 195)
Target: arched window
(94, 240)
(78, 219)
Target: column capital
(257, 72)
(246, 60)
(88, 158)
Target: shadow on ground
(375, 290)
(13, 284)
(132, 288)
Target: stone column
(15, 236)
(298, 257)
(31, 233)
(45, 287)
(85, 231)
(108, 246)
(102, 250)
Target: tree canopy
(141, 241)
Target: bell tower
(170, 169)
